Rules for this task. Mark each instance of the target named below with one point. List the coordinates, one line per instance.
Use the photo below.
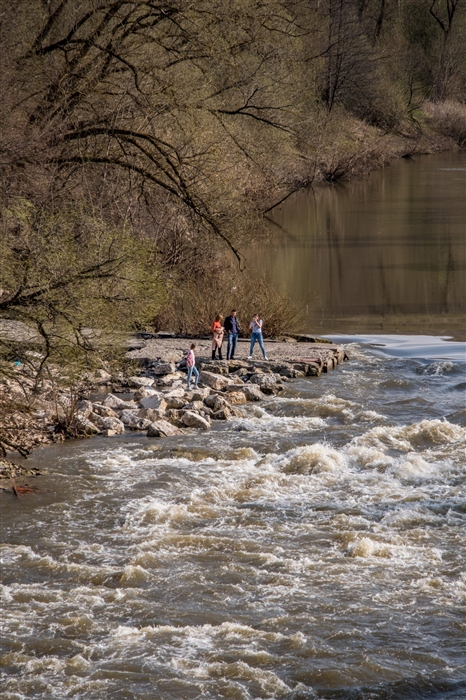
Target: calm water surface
(387, 254)
(310, 549)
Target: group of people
(231, 328)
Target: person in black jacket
(232, 328)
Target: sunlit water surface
(311, 548)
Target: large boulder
(215, 381)
(215, 402)
(178, 392)
(114, 424)
(176, 401)
(193, 420)
(151, 414)
(267, 383)
(162, 428)
(84, 426)
(113, 401)
(252, 392)
(157, 401)
(237, 397)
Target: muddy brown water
(312, 548)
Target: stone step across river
(162, 406)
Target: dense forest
(142, 142)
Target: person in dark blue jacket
(231, 326)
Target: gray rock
(176, 402)
(162, 368)
(128, 416)
(170, 379)
(162, 428)
(215, 381)
(177, 392)
(252, 392)
(215, 402)
(193, 420)
(84, 426)
(157, 401)
(143, 392)
(194, 406)
(139, 423)
(84, 408)
(105, 411)
(140, 381)
(152, 414)
(112, 424)
(267, 382)
(223, 414)
(113, 401)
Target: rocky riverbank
(152, 396)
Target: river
(382, 255)
(310, 549)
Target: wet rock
(162, 428)
(215, 402)
(223, 414)
(252, 392)
(215, 381)
(140, 381)
(193, 420)
(237, 397)
(267, 383)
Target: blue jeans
(231, 347)
(260, 340)
(191, 371)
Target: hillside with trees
(142, 142)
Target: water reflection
(385, 254)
